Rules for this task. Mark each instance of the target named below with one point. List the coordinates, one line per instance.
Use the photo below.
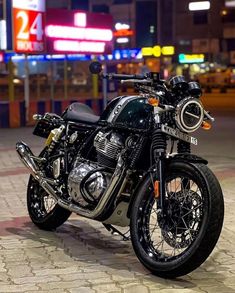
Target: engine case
(96, 183)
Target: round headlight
(189, 114)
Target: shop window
(200, 17)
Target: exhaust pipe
(29, 160)
(26, 157)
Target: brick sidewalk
(81, 256)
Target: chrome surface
(96, 183)
(178, 134)
(181, 110)
(109, 144)
(24, 152)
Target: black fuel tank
(131, 111)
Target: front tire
(44, 212)
(179, 243)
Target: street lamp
(199, 5)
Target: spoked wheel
(178, 242)
(43, 209)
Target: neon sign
(78, 32)
(191, 58)
(157, 51)
(28, 24)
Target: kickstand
(113, 230)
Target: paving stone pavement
(81, 256)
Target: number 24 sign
(29, 26)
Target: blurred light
(151, 51)
(122, 26)
(199, 5)
(123, 33)
(193, 58)
(80, 19)
(122, 40)
(1, 57)
(3, 35)
(34, 63)
(75, 46)
(117, 55)
(67, 32)
(152, 29)
(119, 66)
(16, 81)
(168, 50)
(110, 57)
(224, 12)
(230, 3)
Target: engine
(108, 146)
(87, 181)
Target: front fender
(187, 158)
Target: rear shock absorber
(54, 137)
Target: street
(81, 256)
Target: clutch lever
(212, 119)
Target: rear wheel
(179, 242)
(43, 210)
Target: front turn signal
(206, 125)
(156, 189)
(153, 102)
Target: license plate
(178, 134)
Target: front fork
(159, 146)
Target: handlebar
(123, 76)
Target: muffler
(26, 157)
(30, 161)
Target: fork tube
(159, 154)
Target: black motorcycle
(132, 167)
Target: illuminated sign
(157, 51)
(1, 57)
(78, 32)
(199, 5)
(28, 26)
(230, 3)
(168, 50)
(123, 33)
(3, 35)
(191, 58)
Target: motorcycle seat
(79, 112)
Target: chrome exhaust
(30, 161)
(26, 157)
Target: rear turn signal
(206, 125)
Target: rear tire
(42, 215)
(192, 229)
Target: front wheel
(179, 242)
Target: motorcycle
(132, 167)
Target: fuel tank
(128, 111)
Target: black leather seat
(82, 113)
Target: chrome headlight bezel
(181, 110)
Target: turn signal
(206, 125)
(156, 189)
(153, 102)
